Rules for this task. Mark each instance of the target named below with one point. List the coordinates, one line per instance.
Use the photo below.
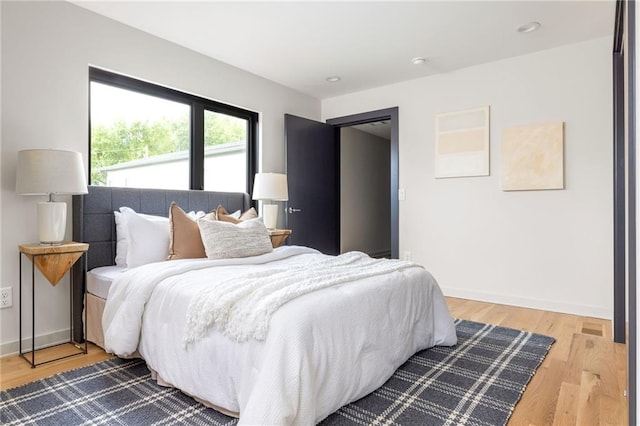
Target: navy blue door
(313, 173)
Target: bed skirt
(95, 308)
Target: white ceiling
(367, 44)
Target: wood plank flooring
(581, 382)
(15, 371)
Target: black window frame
(198, 106)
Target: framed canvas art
(462, 143)
(533, 157)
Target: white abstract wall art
(533, 157)
(462, 143)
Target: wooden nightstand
(54, 262)
(278, 236)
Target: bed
(272, 358)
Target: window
(148, 136)
(225, 151)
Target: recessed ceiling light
(333, 79)
(419, 60)
(529, 27)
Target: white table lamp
(50, 172)
(270, 187)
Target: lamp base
(270, 215)
(52, 221)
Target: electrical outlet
(407, 256)
(6, 297)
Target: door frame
(619, 184)
(624, 193)
(629, 52)
(391, 115)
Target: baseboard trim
(523, 302)
(43, 340)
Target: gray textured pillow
(224, 240)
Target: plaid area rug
(477, 382)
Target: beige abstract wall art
(462, 143)
(533, 157)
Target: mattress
(99, 279)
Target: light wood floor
(583, 378)
(15, 371)
(581, 382)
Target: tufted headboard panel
(94, 223)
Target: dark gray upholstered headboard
(94, 223)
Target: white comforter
(322, 350)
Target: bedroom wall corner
(47, 48)
(549, 250)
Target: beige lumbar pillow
(223, 215)
(223, 240)
(185, 241)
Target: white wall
(365, 212)
(543, 249)
(1, 156)
(47, 48)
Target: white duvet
(322, 349)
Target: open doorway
(365, 182)
(312, 151)
(383, 124)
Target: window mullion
(252, 154)
(197, 146)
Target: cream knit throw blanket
(241, 307)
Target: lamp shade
(270, 186)
(50, 171)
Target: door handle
(292, 210)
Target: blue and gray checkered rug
(477, 382)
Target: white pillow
(122, 242)
(226, 240)
(147, 237)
